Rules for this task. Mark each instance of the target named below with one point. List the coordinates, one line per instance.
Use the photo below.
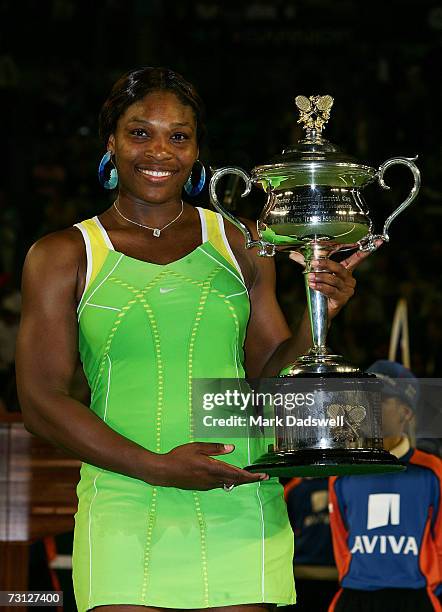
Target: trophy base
(319, 361)
(326, 462)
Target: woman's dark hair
(136, 84)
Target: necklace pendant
(157, 232)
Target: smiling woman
(150, 295)
(154, 154)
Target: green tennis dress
(146, 332)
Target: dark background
(381, 61)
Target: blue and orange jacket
(387, 529)
(307, 506)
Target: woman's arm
(270, 344)
(47, 356)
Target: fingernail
(229, 447)
(315, 262)
(264, 476)
(312, 277)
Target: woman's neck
(147, 213)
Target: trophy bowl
(315, 206)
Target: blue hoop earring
(112, 181)
(188, 186)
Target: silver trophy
(315, 206)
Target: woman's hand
(190, 466)
(335, 280)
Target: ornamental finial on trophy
(314, 111)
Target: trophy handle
(265, 248)
(368, 243)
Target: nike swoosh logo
(167, 289)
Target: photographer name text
(288, 420)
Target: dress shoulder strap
(214, 230)
(97, 245)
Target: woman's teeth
(155, 173)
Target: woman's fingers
(333, 273)
(298, 257)
(328, 265)
(355, 259)
(325, 278)
(230, 474)
(339, 293)
(350, 263)
(335, 281)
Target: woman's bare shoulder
(256, 265)
(235, 235)
(244, 256)
(63, 249)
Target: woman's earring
(192, 190)
(112, 181)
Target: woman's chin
(155, 195)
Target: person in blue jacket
(314, 565)
(387, 529)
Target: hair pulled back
(137, 84)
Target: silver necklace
(156, 230)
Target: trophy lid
(313, 160)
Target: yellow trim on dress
(215, 237)
(99, 248)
